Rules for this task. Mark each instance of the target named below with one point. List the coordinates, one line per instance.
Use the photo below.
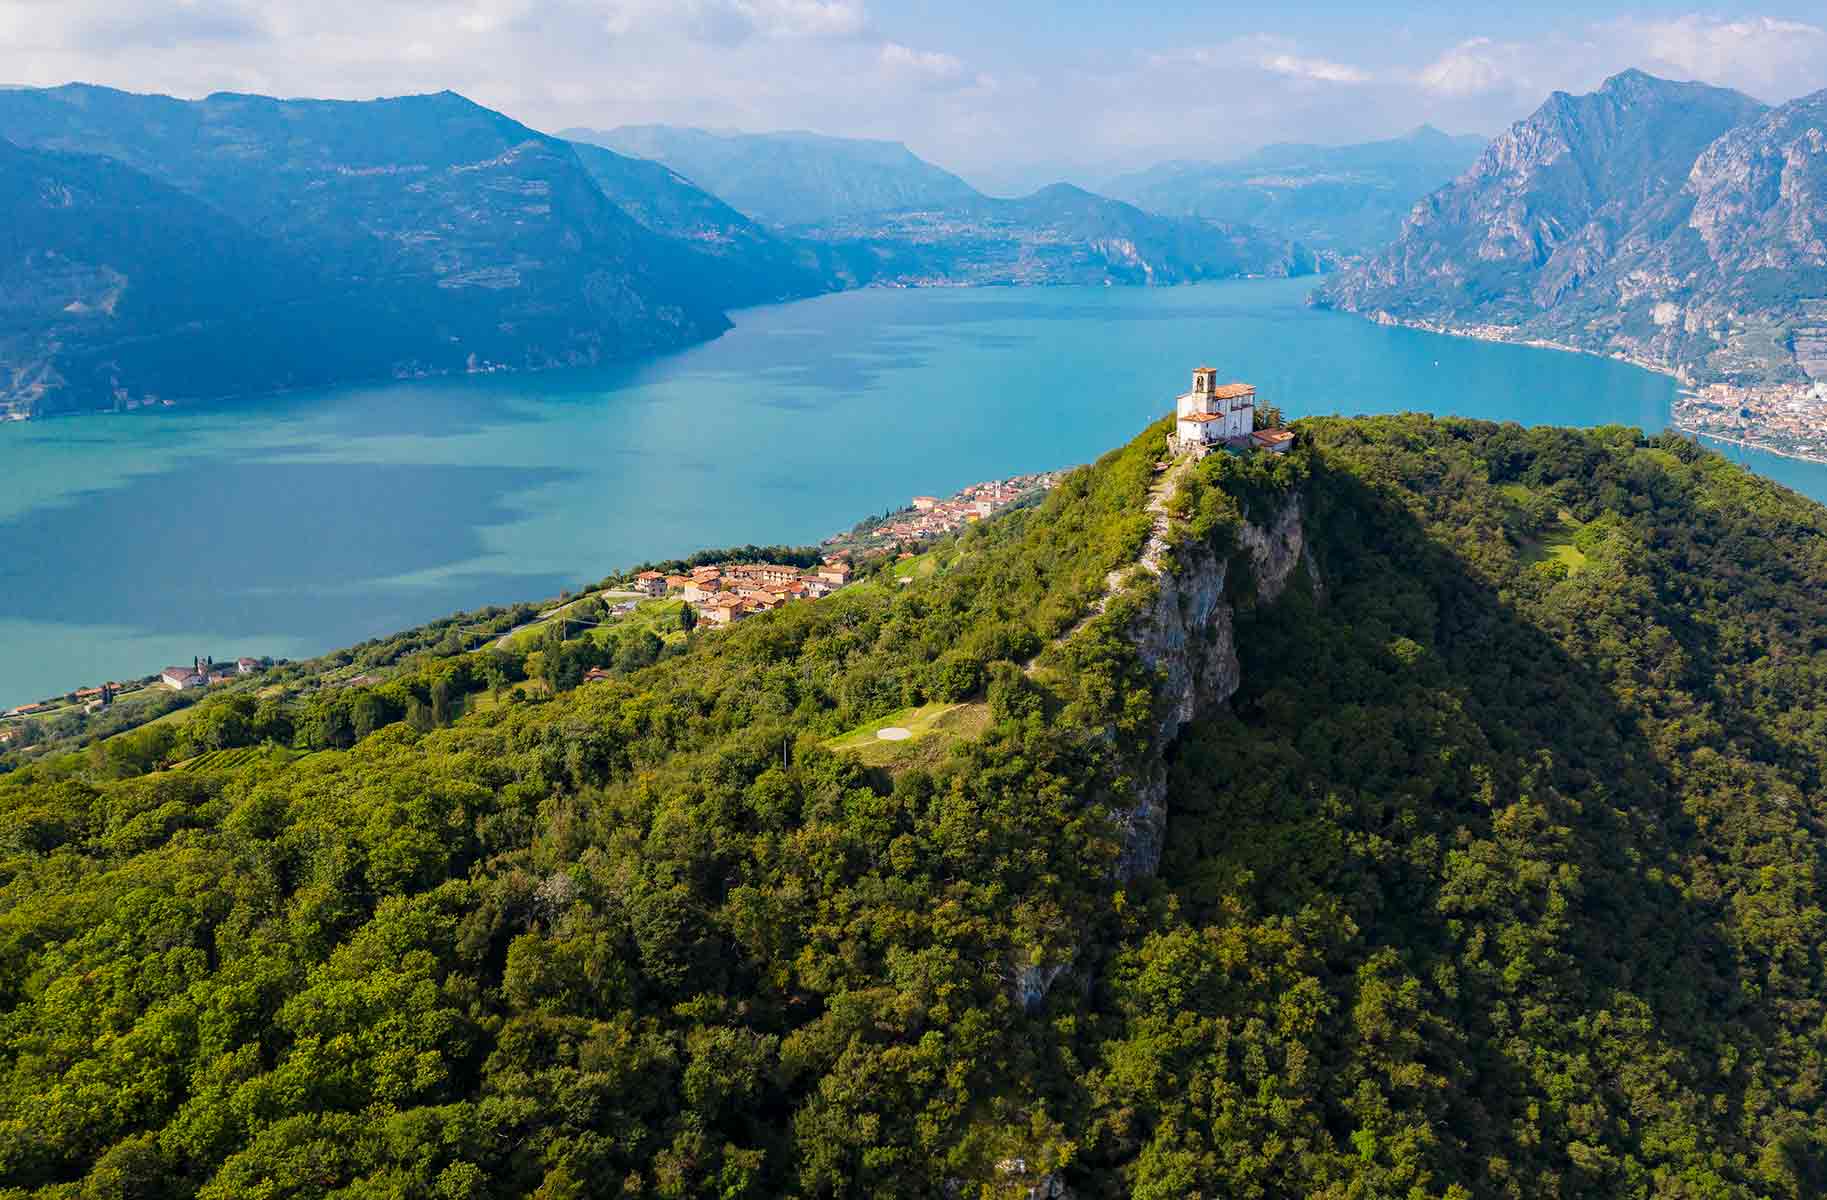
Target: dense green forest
(1500, 876)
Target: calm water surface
(294, 525)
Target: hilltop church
(1215, 414)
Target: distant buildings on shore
(728, 592)
(928, 517)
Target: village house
(650, 583)
(763, 572)
(698, 591)
(835, 573)
(925, 503)
(246, 666)
(705, 572)
(182, 679)
(722, 610)
(677, 583)
(596, 675)
(1275, 441)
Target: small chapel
(1214, 414)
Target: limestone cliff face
(1186, 635)
(1669, 223)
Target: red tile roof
(1233, 391)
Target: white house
(1213, 414)
(182, 679)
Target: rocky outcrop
(1186, 636)
(1670, 224)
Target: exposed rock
(1186, 634)
(1032, 983)
(1670, 224)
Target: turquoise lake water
(293, 525)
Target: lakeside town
(927, 517)
(721, 594)
(718, 595)
(1790, 420)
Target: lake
(292, 525)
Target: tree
(636, 650)
(273, 722)
(222, 724)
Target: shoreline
(1796, 455)
(1707, 393)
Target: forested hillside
(402, 237)
(1499, 875)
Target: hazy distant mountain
(734, 256)
(110, 280)
(1342, 198)
(1676, 222)
(1060, 234)
(160, 248)
(462, 238)
(790, 178)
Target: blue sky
(1010, 92)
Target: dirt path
(1153, 550)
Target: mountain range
(792, 178)
(1677, 224)
(169, 249)
(397, 237)
(1342, 199)
(874, 212)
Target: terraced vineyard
(221, 760)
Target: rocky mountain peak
(1670, 222)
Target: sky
(1011, 93)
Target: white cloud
(726, 21)
(1265, 52)
(928, 64)
(1473, 66)
(1319, 69)
(1771, 55)
(878, 68)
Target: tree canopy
(1500, 875)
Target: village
(1789, 420)
(725, 593)
(928, 517)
